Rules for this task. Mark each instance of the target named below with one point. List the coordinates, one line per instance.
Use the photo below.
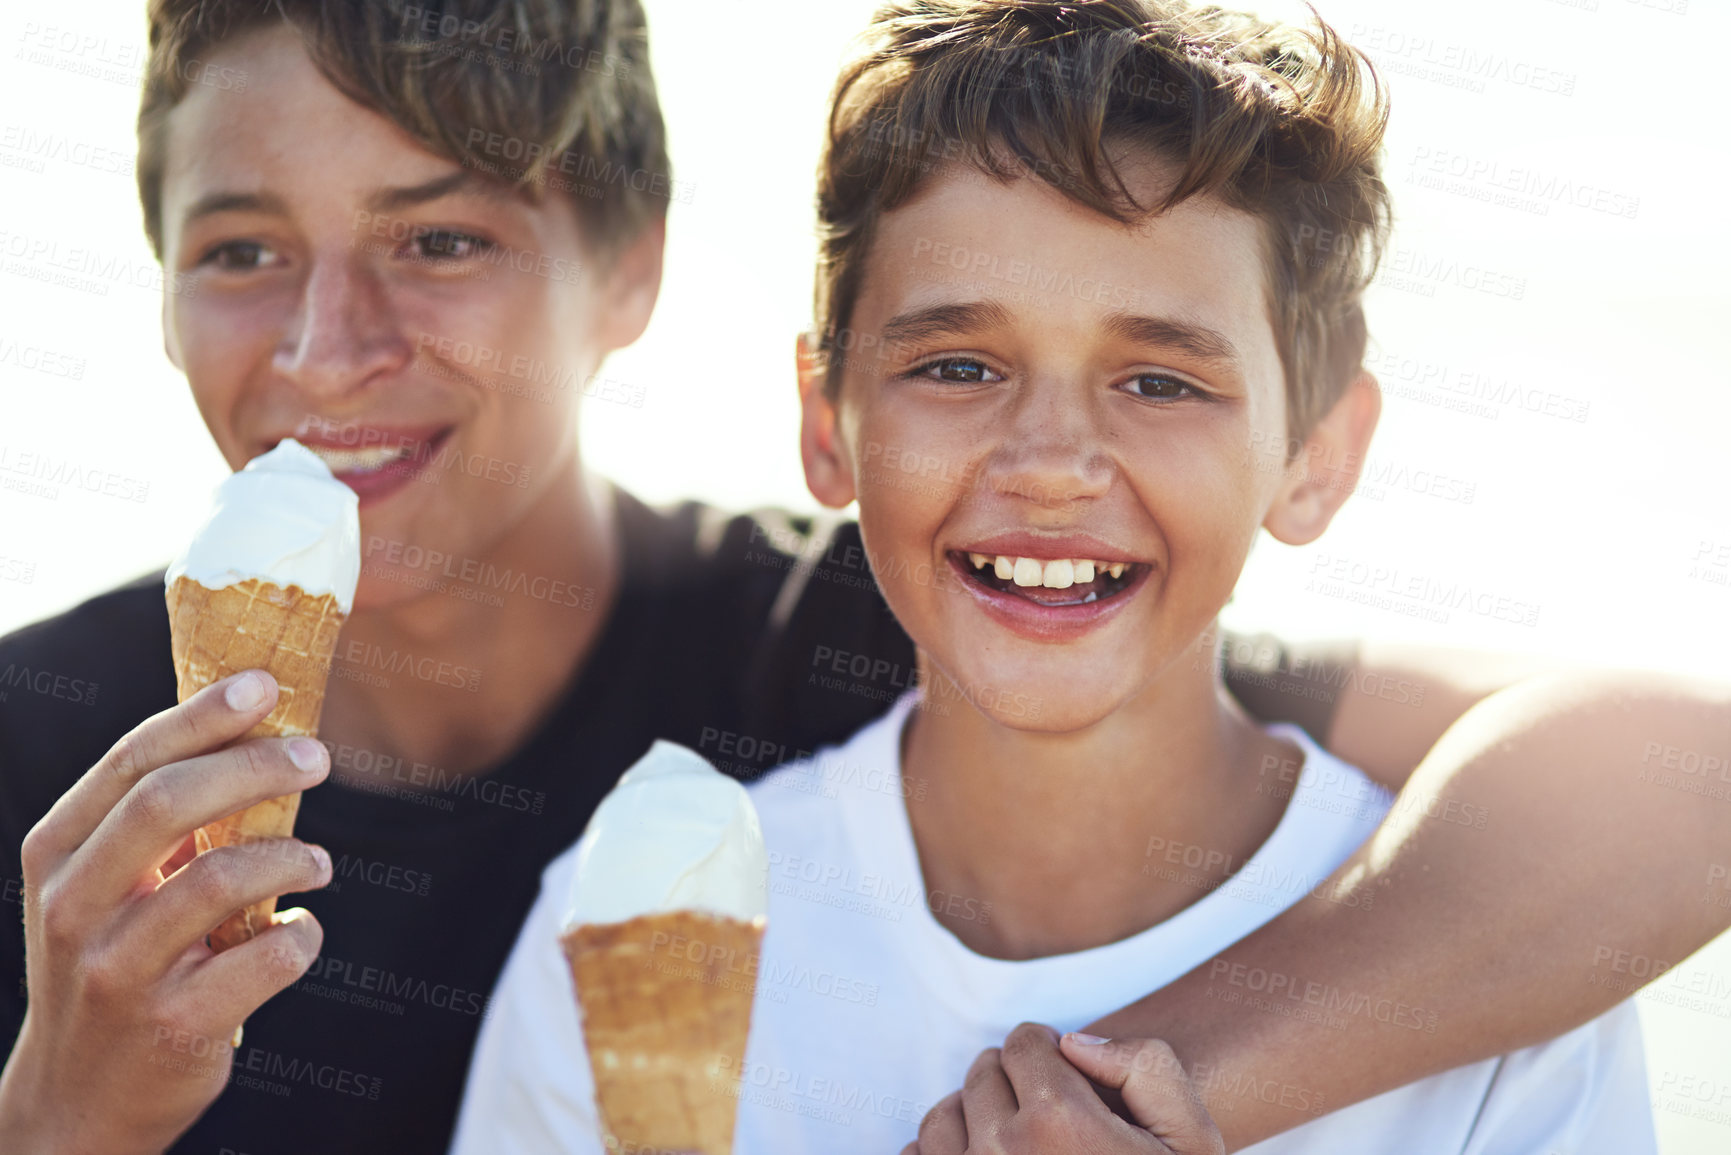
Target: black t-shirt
(751, 639)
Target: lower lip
(374, 486)
(1040, 623)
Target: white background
(1615, 531)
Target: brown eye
(961, 370)
(447, 245)
(238, 256)
(1157, 387)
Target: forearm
(1441, 943)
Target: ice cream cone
(255, 624)
(666, 1001)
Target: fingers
(156, 815)
(1157, 1091)
(1036, 1095)
(1058, 1103)
(193, 900)
(988, 1102)
(942, 1131)
(211, 718)
(1039, 1073)
(232, 985)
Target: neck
(469, 678)
(1067, 835)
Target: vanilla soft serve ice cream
(674, 834)
(663, 928)
(283, 519)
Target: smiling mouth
(1051, 582)
(377, 456)
(364, 461)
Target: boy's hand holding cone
(127, 1008)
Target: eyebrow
(235, 202)
(383, 200)
(1198, 341)
(464, 181)
(937, 320)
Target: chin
(1046, 717)
(1044, 702)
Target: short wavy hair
(520, 90)
(1283, 122)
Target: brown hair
(527, 91)
(1284, 123)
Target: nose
(344, 332)
(1052, 454)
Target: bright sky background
(1616, 528)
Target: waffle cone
(666, 1001)
(255, 625)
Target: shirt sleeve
(1281, 683)
(529, 1090)
(1584, 1093)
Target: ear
(632, 286)
(1326, 471)
(828, 472)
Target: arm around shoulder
(1589, 836)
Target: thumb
(1156, 1089)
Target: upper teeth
(359, 460)
(1058, 573)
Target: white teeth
(359, 460)
(1057, 574)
